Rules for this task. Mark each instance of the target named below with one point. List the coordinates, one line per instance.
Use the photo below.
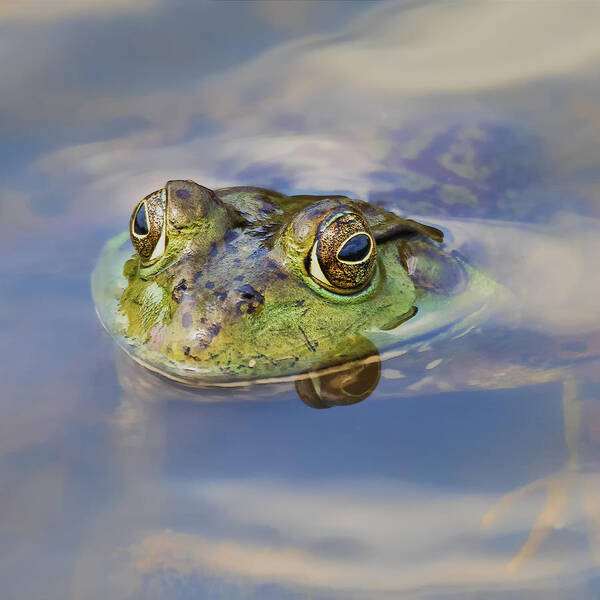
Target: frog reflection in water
(246, 284)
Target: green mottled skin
(231, 299)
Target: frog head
(245, 283)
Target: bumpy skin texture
(233, 297)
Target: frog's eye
(147, 227)
(343, 255)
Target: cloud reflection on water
(29, 10)
(95, 121)
(320, 113)
(363, 538)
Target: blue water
(117, 484)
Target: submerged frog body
(244, 283)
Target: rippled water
(482, 116)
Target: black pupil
(356, 248)
(140, 225)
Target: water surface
(116, 484)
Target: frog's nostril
(247, 292)
(250, 299)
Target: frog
(242, 284)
